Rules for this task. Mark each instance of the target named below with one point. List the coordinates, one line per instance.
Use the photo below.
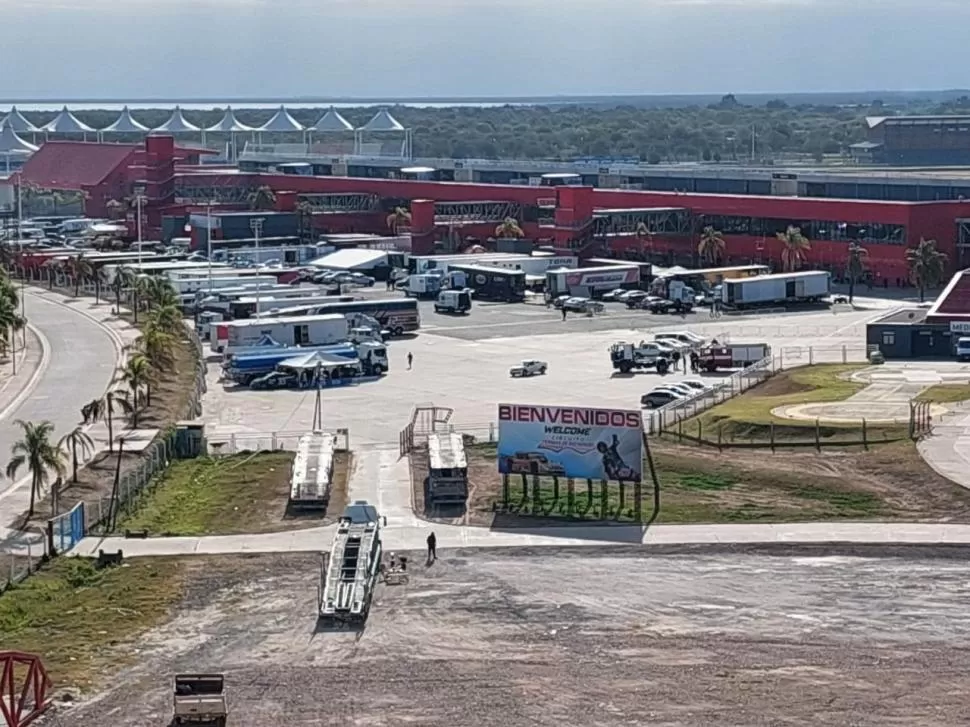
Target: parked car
(615, 294)
(656, 399)
(633, 297)
(576, 304)
(273, 380)
(681, 389)
(688, 337)
(695, 384)
(529, 367)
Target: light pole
(208, 241)
(23, 264)
(139, 198)
(256, 223)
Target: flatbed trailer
(349, 572)
(312, 473)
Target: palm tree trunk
(851, 287)
(135, 307)
(77, 285)
(118, 299)
(74, 459)
(111, 443)
(922, 292)
(33, 493)
(97, 292)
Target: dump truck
(199, 699)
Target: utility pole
(317, 425)
(23, 264)
(208, 241)
(139, 198)
(257, 226)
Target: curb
(39, 370)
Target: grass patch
(244, 493)
(73, 615)
(945, 393)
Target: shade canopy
(177, 124)
(66, 123)
(10, 143)
(281, 121)
(382, 121)
(332, 121)
(17, 122)
(229, 122)
(125, 124)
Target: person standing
(410, 360)
(564, 311)
(432, 548)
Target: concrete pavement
(947, 448)
(83, 346)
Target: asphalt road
(81, 361)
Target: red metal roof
(954, 301)
(74, 165)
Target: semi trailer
(809, 286)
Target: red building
(590, 221)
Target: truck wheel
(662, 366)
(625, 368)
(397, 331)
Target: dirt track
(574, 638)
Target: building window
(889, 338)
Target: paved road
(947, 449)
(81, 358)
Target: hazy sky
(55, 49)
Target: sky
(213, 49)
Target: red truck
(733, 356)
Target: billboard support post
(653, 476)
(604, 500)
(505, 491)
(536, 499)
(571, 495)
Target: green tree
(711, 245)
(855, 265)
(398, 219)
(76, 440)
(79, 269)
(262, 199)
(35, 451)
(509, 229)
(794, 250)
(927, 266)
(125, 279)
(101, 410)
(138, 375)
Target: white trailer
(312, 473)
(447, 482)
(529, 264)
(322, 330)
(202, 284)
(809, 286)
(587, 282)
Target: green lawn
(72, 614)
(244, 493)
(946, 393)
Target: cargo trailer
(809, 286)
(320, 330)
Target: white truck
(321, 330)
(808, 286)
(733, 355)
(199, 699)
(963, 348)
(453, 301)
(626, 357)
(529, 367)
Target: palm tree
(796, 245)
(138, 376)
(38, 454)
(10, 318)
(156, 345)
(125, 279)
(644, 237)
(80, 269)
(855, 265)
(262, 198)
(399, 218)
(158, 292)
(77, 439)
(927, 266)
(116, 209)
(509, 229)
(101, 409)
(304, 220)
(711, 245)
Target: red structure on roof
(74, 165)
(954, 302)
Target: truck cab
(373, 358)
(365, 335)
(199, 699)
(647, 354)
(453, 301)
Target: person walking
(432, 548)
(410, 360)
(564, 311)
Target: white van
(963, 348)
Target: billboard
(566, 441)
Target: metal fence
(267, 441)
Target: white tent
(332, 121)
(10, 143)
(16, 121)
(177, 124)
(382, 121)
(281, 122)
(125, 124)
(229, 123)
(66, 123)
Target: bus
(397, 315)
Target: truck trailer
(491, 283)
(588, 282)
(322, 330)
(244, 368)
(447, 482)
(810, 286)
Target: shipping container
(491, 283)
(785, 288)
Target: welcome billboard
(567, 441)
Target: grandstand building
(658, 226)
(937, 141)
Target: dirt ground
(700, 484)
(571, 637)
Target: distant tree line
(721, 131)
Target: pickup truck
(199, 699)
(529, 367)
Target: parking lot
(463, 363)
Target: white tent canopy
(125, 124)
(177, 124)
(66, 123)
(281, 121)
(229, 123)
(16, 121)
(382, 121)
(10, 143)
(332, 121)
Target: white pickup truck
(528, 368)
